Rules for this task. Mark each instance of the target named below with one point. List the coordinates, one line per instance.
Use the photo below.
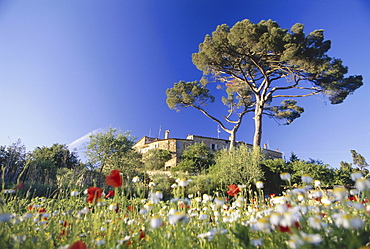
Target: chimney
(166, 134)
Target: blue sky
(71, 67)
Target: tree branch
(213, 118)
(295, 96)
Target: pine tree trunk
(232, 139)
(258, 125)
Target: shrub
(195, 159)
(239, 166)
(156, 158)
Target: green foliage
(58, 154)
(317, 170)
(293, 157)
(238, 94)
(197, 95)
(238, 166)
(71, 178)
(185, 94)
(185, 165)
(44, 162)
(258, 55)
(342, 176)
(359, 161)
(163, 183)
(41, 170)
(242, 234)
(195, 159)
(287, 111)
(247, 46)
(272, 168)
(112, 149)
(203, 184)
(58, 220)
(156, 158)
(12, 161)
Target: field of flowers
(236, 217)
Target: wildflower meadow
(110, 216)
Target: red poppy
(142, 235)
(110, 194)
(233, 190)
(78, 245)
(65, 224)
(130, 207)
(286, 229)
(94, 194)
(63, 233)
(129, 243)
(114, 179)
(182, 205)
(42, 210)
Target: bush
(202, 184)
(155, 159)
(163, 183)
(195, 159)
(239, 166)
(272, 168)
(315, 169)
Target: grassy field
(112, 217)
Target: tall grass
(138, 216)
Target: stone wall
(177, 146)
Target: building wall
(270, 154)
(213, 143)
(177, 146)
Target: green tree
(112, 149)
(44, 162)
(293, 157)
(195, 159)
(342, 176)
(275, 63)
(359, 161)
(156, 158)
(316, 169)
(272, 168)
(12, 161)
(196, 94)
(75, 178)
(238, 166)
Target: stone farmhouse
(178, 145)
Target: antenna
(218, 131)
(159, 132)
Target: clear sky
(71, 67)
